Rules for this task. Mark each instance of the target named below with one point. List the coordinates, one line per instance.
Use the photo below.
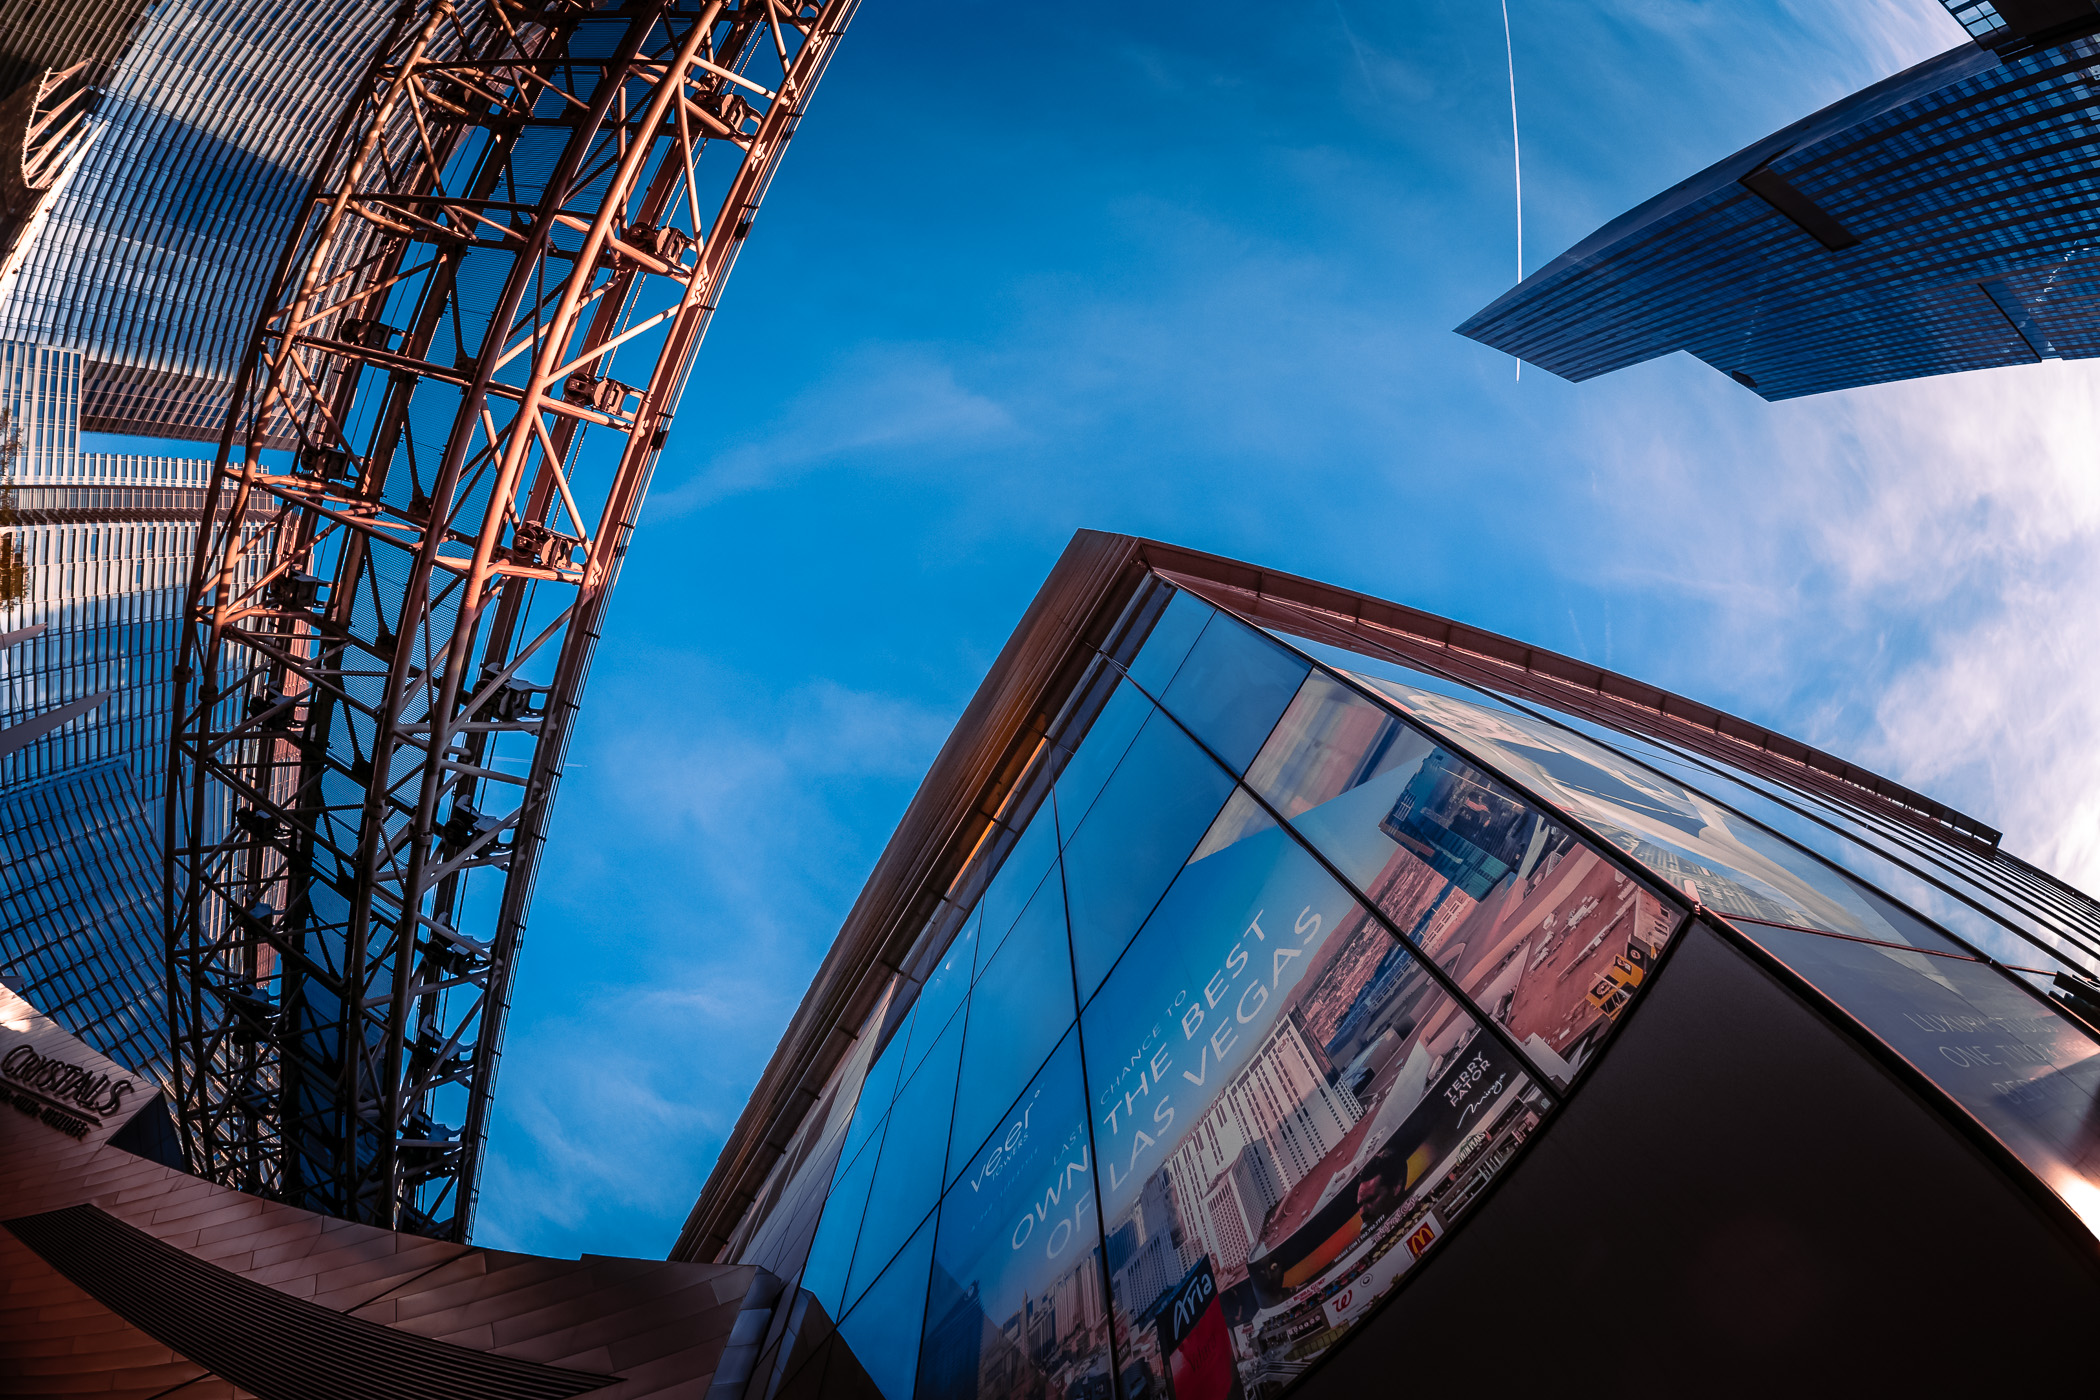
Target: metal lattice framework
(424, 491)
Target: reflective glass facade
(1941, 220)
(106, 540)
(80, 892)
(1275, 958)
(146, 262)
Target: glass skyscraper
(1259, 956)
(104, 541)
(1944, 219)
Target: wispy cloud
(1908, 573)
(879, 403)
(726, 856)
(1983, 531)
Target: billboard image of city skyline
(1287, 1100)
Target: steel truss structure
(423, 494)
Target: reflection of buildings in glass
(1449, 913)
(106, 541)
(1332, 990)
(1449, 817)
(1336, 743)
(1267, 1129)
(1549, 847)
(1075, 1298)
(957, 1335)
(1708, 886)
(1409, 890)
(1550, 943)
(1233, 1211)
(1145, 1253)
(1377, 1007)
(1059, 1334)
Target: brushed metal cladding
(265, 1272)
(262, 1339)
(210, 126)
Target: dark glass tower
(1272, 987)
(1947, 218)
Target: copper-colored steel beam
(424, 490)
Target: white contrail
(1516, 150)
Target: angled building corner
(1358, 962)
(1931, 223)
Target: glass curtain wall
(1268, 969)
(1991, 900)
(1952, 994)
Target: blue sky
(1190, 272)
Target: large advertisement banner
(1192, 1336)
(1283, 1096)
(1320, 1221)
(1016, 1305)
(1542, 931)
(2017, 1064)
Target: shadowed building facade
(151, 234)
(1943, 219)
(1275, 989)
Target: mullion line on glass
(875, 1146)
(1896, 857)
(1818, 857)
(1428, 965)
(1550, 717)
(2025, 935)
(940, 1194)
(1634, 869)
(1756, 786)
(1086, 1087)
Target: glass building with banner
(1272, 988)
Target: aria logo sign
(67, 1097)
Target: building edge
(1011, 711)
